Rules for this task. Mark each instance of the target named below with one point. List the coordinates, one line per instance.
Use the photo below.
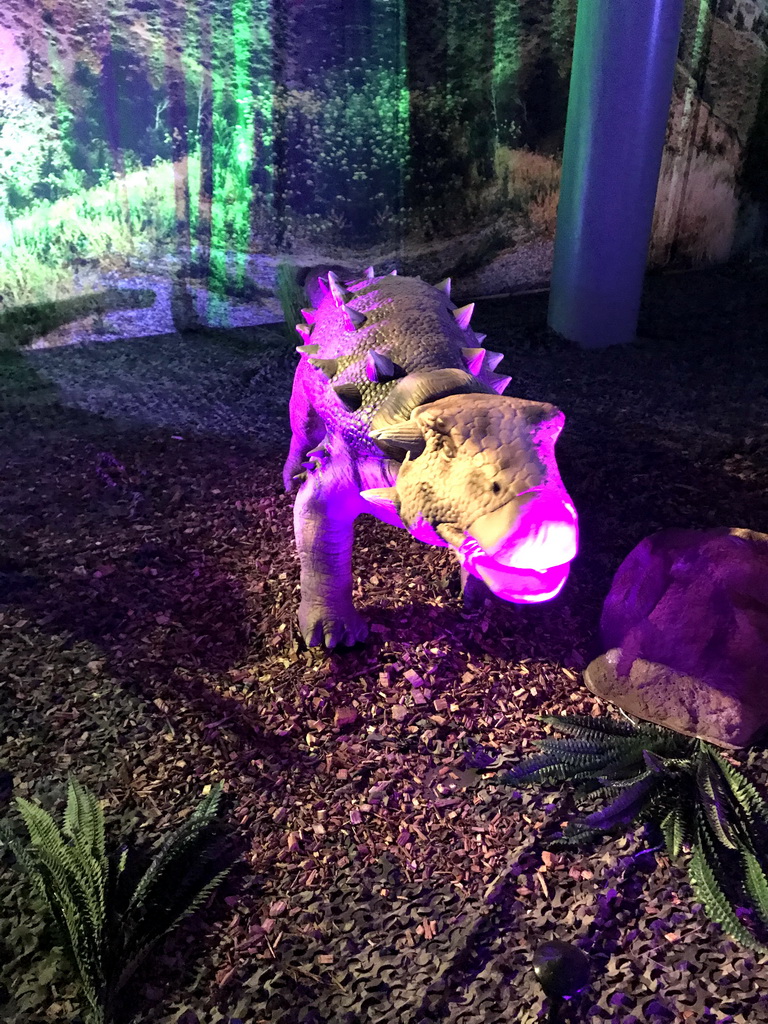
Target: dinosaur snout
(535, 530)
(523, 549)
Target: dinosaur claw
(332, 627)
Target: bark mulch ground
(148, 586)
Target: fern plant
(686, 787)
(107, 912)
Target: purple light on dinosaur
(403, 419)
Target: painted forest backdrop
(185, 147)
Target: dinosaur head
(480, 476)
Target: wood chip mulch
(148, 585)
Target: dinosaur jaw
(520, 586)
(522, 550)
(512, 577)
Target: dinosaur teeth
(349, 395)
(310, 315)
(327, 366)
(308, 350)
(338, 291)
(474, 358)
(444, 286)
(493, 359)
(304, 331)
(353, 317)
(384, 497)
(499, 383)
(463, 315)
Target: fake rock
(686, 627)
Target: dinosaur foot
(331, 627)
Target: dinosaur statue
(396, 411)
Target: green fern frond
(146, 940)
(745, 795)
(573, 835)
(44, 833)
(622, 767)
(586, 727)
(611, 786)
(704, 870)
(24, 860)
(673, 828)
(713, 800)
(177, 845)
(84, 818)
(566, 748)
(623, 808)
(676, 765)
(756, 883)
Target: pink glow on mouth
(523, 586)
(544, 532)
(519, 585)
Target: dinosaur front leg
(323, 519)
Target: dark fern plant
(107, 912)
(696, 797)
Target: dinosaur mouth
(520, 586)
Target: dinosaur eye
(496, 487)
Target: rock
(685, 625)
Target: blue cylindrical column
(621, 84)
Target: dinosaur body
(396, 411)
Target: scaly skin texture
(396, 411)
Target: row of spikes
(379, 368)
(354, 318)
